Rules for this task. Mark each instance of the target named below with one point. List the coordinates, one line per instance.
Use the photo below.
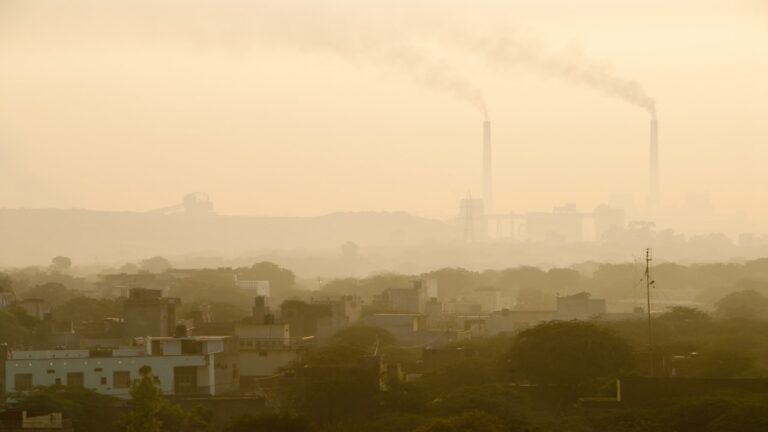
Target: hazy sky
(289, 107)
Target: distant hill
(33, 236)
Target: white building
(7, 298)
(264, 350)
(205, 365)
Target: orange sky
(299, 107)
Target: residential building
(401, 300)
(264, 350)
(148, 313)
(181, 366)
(7, 298)
(580, 306)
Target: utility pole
(648, 283)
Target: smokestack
(653, 167)
(487, 174)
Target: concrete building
(563, 224)
(576, 306)
(182, 366)
(464, 308)
(36, 308)
(489, 298)
(256, 286)
(7, 298)
(264, 349)
(580, 306)
(407, 328)
(402, 300)
(321, 318)
(148, 313)
(119, 285)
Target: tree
(747, 304)
(61, 263)
(81, 309)
(53, 292)
(365, 337)
(146, 403)
(271, 423)
(89, 411)
(279, 278)
(151, 412)
(568, 354)
(6, 283)
(467, 422)
(495, 399)
(15, 328)
(683, 314)
(155, 264)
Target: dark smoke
(571, 67)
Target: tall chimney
(653, 167)
(487, 174)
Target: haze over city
(383, 216)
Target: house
(580, 306)
(182, 366)
(264, 350)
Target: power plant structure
(653, 166)
(563, 222)
(487, 170)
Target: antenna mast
(648, 283)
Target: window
(75, 379)
(50, 371)
(121, 379)
(262, 353)
(58, 381)
(103, 381)
(22, 382)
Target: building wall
(215, 366)
(265, 363)
(146, 318)
(263, 331)
(45, 371)
(405, 327)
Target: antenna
(648, 283)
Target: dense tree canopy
(568, 353)
(743, 304)
(89, 411)
(468, 422)
(271, 422)
(364, 337)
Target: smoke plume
(572, 67)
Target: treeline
(536, 288)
